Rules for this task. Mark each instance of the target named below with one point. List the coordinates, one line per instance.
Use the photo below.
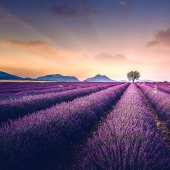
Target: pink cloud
(122, 2)
(162, 39)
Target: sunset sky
(83, 38)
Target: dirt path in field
(71, 156)
(161, 125)
(77, 148)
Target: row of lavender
(14, 87)
(9, 96)
(48, 132)
(128, 140)
(34, 85)
(163, 86)
(41, 85)
(54, 88)
(18, 107)
(30, 88)
(160, 101)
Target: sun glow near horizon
(86, 42)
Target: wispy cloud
(70, 9)
(38, 47)
(162, 39)
(5, 17)
(122, 3)
(107, 56)
(24, 44)
(122, 7)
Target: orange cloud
(22, 44)
(38, 47)
(47, 58)
(107, 56)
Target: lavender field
(84, 126)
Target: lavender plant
(128, 140)
(12, 109)
(48, 132)
(159, 101)
(160, 86)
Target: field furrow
(48, 132)
(5, 94)
(164, 87)
(128, 140)
(13, 109)
(160, 102)
(161, 124)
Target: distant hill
(123, 80)
(99, 78)
(58, 77)
(28, 78)
(145, 80)
(7, 76)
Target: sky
(83, 38)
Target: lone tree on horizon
(133, 75)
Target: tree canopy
(133, 75)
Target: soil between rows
(161, 125)
(70, 157)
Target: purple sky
(85, 37)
